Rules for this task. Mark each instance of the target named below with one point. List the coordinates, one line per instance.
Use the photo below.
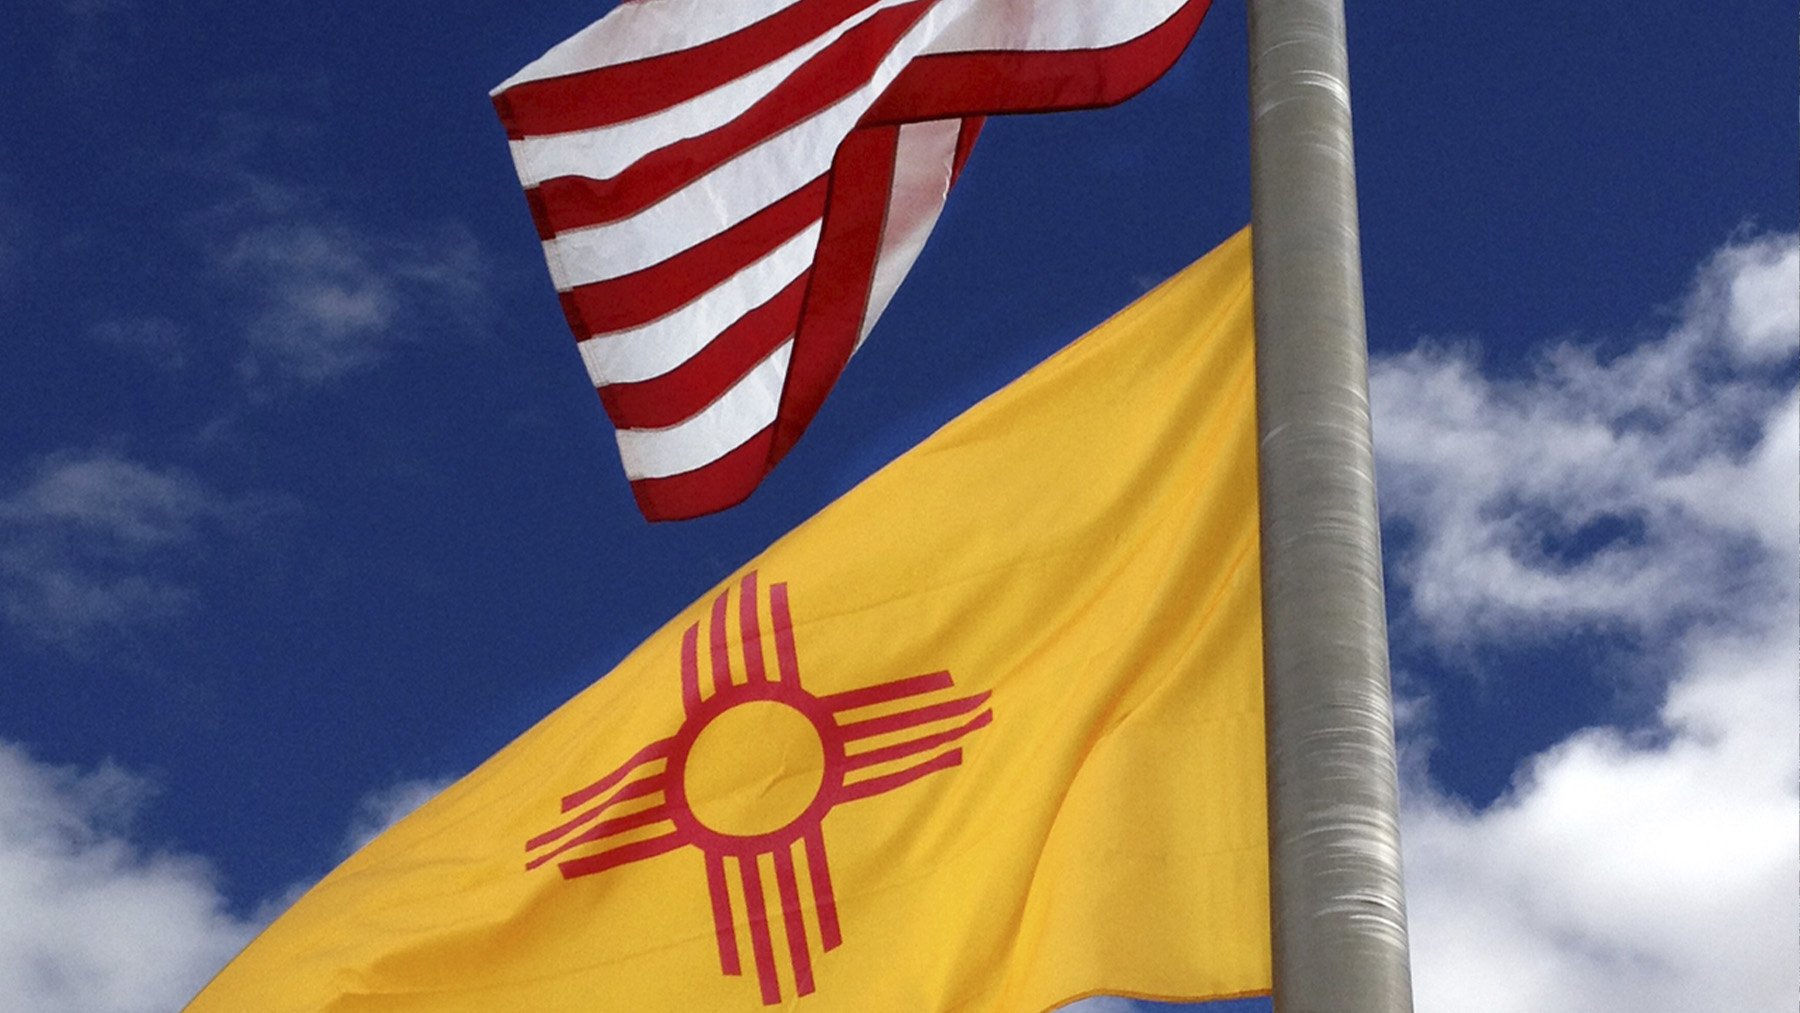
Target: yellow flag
(985, 734)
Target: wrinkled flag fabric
(728, 194)
(985, 734)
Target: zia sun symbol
(755, 767)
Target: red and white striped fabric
(729, 192)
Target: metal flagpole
(1338, 913)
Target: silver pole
(1338, 913)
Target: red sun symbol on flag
(753, 771)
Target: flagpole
(1338, 912)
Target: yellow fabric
(1083, 547)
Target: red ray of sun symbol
(728, 782)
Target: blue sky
(306, 505)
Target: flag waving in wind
(729, 194)
(986, 734)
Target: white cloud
(93, 546)
(92, 921)
(328, 300)
(1622, 875)
(1758, 280)
(89, 921)
(108, 494)
(1595, 492)
(1632, 870)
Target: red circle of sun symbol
(712, 836)
(868, 741)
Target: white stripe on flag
(639, 31)
(604, 152)
(741, 412)
(1052, 25)
(736, 190)
(923, 158)
(642, 353)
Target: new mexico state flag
(985, 734)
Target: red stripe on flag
(794, 920)
(654, 751)
(817, 84)
(888, 782)
(540, 215)
(868, 696)
(681, 392)
(636, 789)
(862, 178)
(723, 927)
(750, 628)
(642, 296)
(575, 867)
(724, 483)
(923, 744)
(690, 670)
(626, 91)
(831, 934)
(721, 644)
(965, 145)
(762, 945)
(783, 621)
(942, 85)
(603, 829)
(912, 718)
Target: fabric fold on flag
(985, 734)
(728, 199)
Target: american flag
(730, 191)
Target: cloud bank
(1653, 496)
(89, 921)
(93, 920)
